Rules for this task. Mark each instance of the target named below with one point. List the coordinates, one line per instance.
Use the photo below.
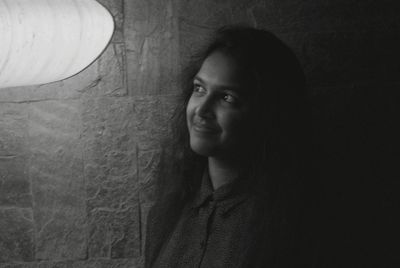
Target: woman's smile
(216, 112)
(205, 130)
(205, 127)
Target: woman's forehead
(220, 69)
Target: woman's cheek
(235, 125)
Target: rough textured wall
(77, 157)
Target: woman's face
(218, 109)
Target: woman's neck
(221, 171)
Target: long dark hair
(277, 158)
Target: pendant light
(43, 41)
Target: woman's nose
(205, 108)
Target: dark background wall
(77, 157)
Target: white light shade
(43, 41)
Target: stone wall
(77, 157)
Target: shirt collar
(227, 196)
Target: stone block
(153, 114)
(111, 178)
(54, 128)
(14, 182)
(114, 232)
(151, 36)
(56, 171)
(108, 140)
(148, 162)
(19, 265)
(16, 235)
(114, 129)
(101, 263)
(13, 129)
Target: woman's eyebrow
(198, 79)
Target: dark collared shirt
(214, 230)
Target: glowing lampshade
(43, 41)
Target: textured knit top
(214, 229)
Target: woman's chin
(203, 149)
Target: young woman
(234, 186)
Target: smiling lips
(205, 128)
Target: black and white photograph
(199, 134)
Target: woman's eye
(198, 89)
(230, 99)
